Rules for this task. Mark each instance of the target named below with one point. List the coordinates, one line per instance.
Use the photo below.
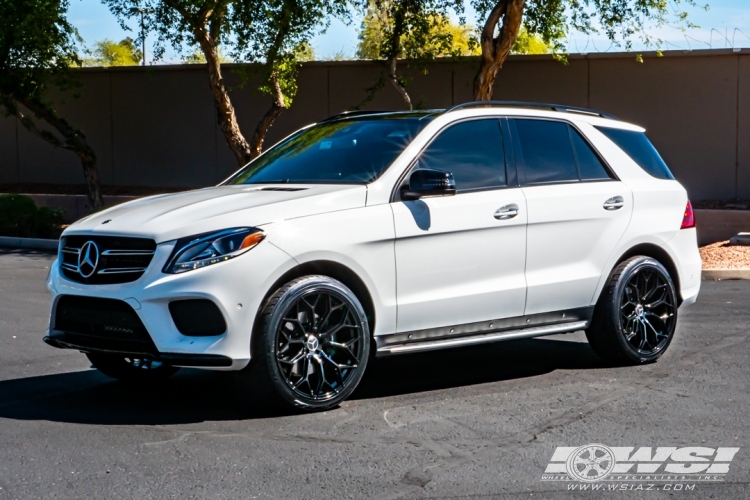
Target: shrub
(19, 216)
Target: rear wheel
(635, 318)
(127, 369)
(313, 344)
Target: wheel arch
(329, 268)
(658, 253)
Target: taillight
(688, 219)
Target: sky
(725, 24)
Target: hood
(171, 216)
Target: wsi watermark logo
(642, 468)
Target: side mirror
(429, 182)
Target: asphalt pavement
(480, 422)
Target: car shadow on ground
(88, 397)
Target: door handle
(506, 212)
(614, 203)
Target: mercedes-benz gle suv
(382, 233)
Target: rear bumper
(683, 249)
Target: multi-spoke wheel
(130, 369)
(313, 344)
(635, 318)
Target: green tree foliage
(415, 29)
(268, 32)
(37, 46)
(197, 57)
(304, 52)
(444, 38)
(550, 20)
(526, 43)
(109, 53)
(463, 40)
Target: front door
(577, 213)
(460, 259)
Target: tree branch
(279, 103)
(488, 31)
(226, 115)
(182, 11)
(74, 141)
(281, 34)
(265, 123)
(393, 53)
(495, 50)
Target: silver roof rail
(533, 105)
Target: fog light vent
(197, 317)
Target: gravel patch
(722, 255)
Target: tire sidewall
(303, 287)
(633, 267)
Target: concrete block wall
(156, 126)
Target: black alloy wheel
(636, 315)
(314, 344)
(647, 311)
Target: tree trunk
(495, 50)
(225, 111)
(265, 123)
(393, 53)
(91, 174)
(73, 140)
(392, 64)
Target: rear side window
(640, 149)
(590, 167)
(545, 151)
(472, 151)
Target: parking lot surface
(480, 422)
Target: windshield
(352, 151)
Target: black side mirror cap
(429, 182)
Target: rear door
(577, 213)
(460, 259)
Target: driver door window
(472, 151)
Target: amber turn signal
(251, 240)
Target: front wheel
(313, 344)
(134, 370)
(636, 315)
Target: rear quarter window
(640, 149)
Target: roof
(560, 108)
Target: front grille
(120, 259)
(103, 324)
(197, 317)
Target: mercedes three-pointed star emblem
(88, 259)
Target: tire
(635, 318)
(131, 370)
(311, 346)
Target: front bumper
(236, 286)
(62, 340)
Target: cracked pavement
(479, 422)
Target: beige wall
(156, 126)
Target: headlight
(203, 250)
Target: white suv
(381, 233)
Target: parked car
(382, 233)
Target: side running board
(521, 333)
